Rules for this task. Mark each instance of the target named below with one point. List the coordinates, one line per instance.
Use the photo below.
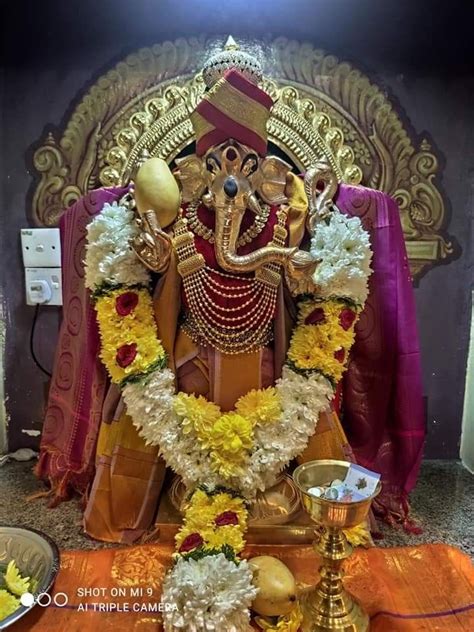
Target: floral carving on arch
(325, 108)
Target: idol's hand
(299, 272)
(152, 246)
(320, 183)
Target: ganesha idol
(230, 246)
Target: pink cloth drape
(382, 391)
(79, 381)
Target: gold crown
(231, 57)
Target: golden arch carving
(324, 108)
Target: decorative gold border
(324, 108)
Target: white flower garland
(343, 246)
(212, 593)
(150, 404)
(110, 259)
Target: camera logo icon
(44, 599)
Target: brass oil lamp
(328, 606)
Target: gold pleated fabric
(127, 484)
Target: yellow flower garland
(200, 518)
(136, 328)
(324, 345)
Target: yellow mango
(276, 586)
(156, 189)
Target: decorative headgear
(234, 106)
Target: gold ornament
(326, 108)
(328, 606)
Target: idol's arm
(156, 199)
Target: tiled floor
(443, 504)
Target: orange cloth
(409, 589)
(127, 484)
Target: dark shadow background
(419, 51)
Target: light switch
(41, 247)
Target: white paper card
(360, 481)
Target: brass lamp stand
(328, 606)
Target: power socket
(41, 247)
(43, 286)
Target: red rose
(316, 317)
(346, 318)
(225, 518)
(191, 542)
(339, 355)
(125, 303)
(126, 354)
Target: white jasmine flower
(344, 249)
(210, 594)
(109, 256)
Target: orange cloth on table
(410, 589)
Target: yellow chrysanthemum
(359, 535)
(138, 327)
(231, 535)
(14, 581)
(288, 623)
(228, 467)
(200, 517)
(260, 406)
(229, 441)
(225, 502)
(196, 412)
(310, 349)
(8, 604)
(216, 538)
(198, 521)
(231, 434)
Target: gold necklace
(236, 326)
(200, 229)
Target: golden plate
(277, 505)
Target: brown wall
(55, 52)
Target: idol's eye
(212, 164)
(249, 164)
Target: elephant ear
(271, 180)
(191, 175)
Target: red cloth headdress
(233, 108)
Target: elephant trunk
(228, 222)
